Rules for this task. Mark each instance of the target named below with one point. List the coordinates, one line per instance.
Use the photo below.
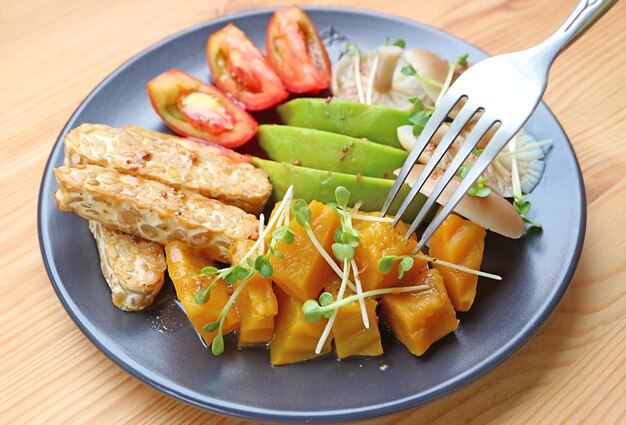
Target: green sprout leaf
(342, 195)
(351, 49)
(406, 264)
(217, 347)
(275, 253)
(327, 314)
(242, 272)
(326, 298)
(350, 239)
(386, 264)
(311, 310)
(203, 294)
(462, 59)
(463, 170)
(523, 207)
(298, 205)
(478, 189)
(409, 70)
(418, 116)
(231, 276)
(284, 234)
(208, 271)
(266, 269)
(480, 192)
(302, 212)
(400, 43)
(210, 327)
(250, 262)
(343, 252)
(338, 236)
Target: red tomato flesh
(196, 109)
(297, 52)
(239, 68)
(205, 113)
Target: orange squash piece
(418, 319)
(302, 271)
(461, 242)
(184, 265)
(256, 304)
(379, 239)
(295, 338)
(350, 335)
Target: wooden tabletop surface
(54, 52)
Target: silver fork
(504, 90)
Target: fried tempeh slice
(133, 267)
(152, 210)
(181, 163)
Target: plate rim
(254, 413)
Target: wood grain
(55, 52)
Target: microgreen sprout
(478, 188)
(418, 116)
(521, 205)
(410, 71)
(353, 51)
(462, 59)
(245, 269)
(316, 243)
(346, 240)
(385, 265)
(400, 43)
(314, 312)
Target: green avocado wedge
(309, 184)
(329, 151)
(376, 123)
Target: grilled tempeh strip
(133, 267)
(177, 162)
(152, 210)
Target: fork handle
(584, 15)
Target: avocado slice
(329, 151)
(376, 123)
(309, 184)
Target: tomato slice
(297, 52)
(239, 68)
(196, 109)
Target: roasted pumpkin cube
(184, 265)
(420, 318)
(295, 338)
(256, 304)
(461, 242)
(379, 239)
(302, 271)
(350, 335)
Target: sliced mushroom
(380, 78)
(531, 162)
(492, 212)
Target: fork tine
(455, 128)
(440, 114)
(498, 141)
(479, 130)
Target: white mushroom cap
(492, 212)
(430, 66)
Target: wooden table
(54, 52)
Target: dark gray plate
(160, 347)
